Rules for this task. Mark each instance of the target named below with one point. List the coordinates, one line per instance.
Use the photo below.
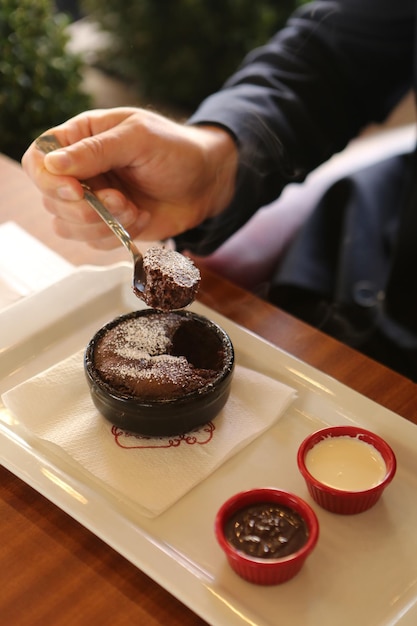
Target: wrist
(221, 161)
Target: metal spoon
(49, 143)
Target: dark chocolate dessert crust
(158, 356)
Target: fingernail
(142, 220)
(113, 203)
(58, 160)
(126, 215)
(66, 192)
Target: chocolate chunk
(266, 530)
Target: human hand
(158, 177)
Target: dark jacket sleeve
(336, 66)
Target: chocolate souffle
(172, 280)
(160, 373)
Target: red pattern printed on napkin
(126, 439)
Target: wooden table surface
(54, 572)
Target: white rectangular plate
(364, 569)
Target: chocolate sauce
(266, 530)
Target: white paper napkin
(26, 264)
(152, 472)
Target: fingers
(79, 221)
(63, 187)
(97, 236)
(97, 142)
(92, 146)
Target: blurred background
(59, 57)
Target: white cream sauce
(346, 463)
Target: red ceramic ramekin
(343, 501)
(266, 571)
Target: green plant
(179, 51)
(40, 80)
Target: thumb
(89, 157)
(105, 149)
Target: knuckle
(95, 147)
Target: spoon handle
(110, 220)
(48, 143)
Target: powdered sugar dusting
(135, 356)
(143, 336)
(162, 368)
(173, 265)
